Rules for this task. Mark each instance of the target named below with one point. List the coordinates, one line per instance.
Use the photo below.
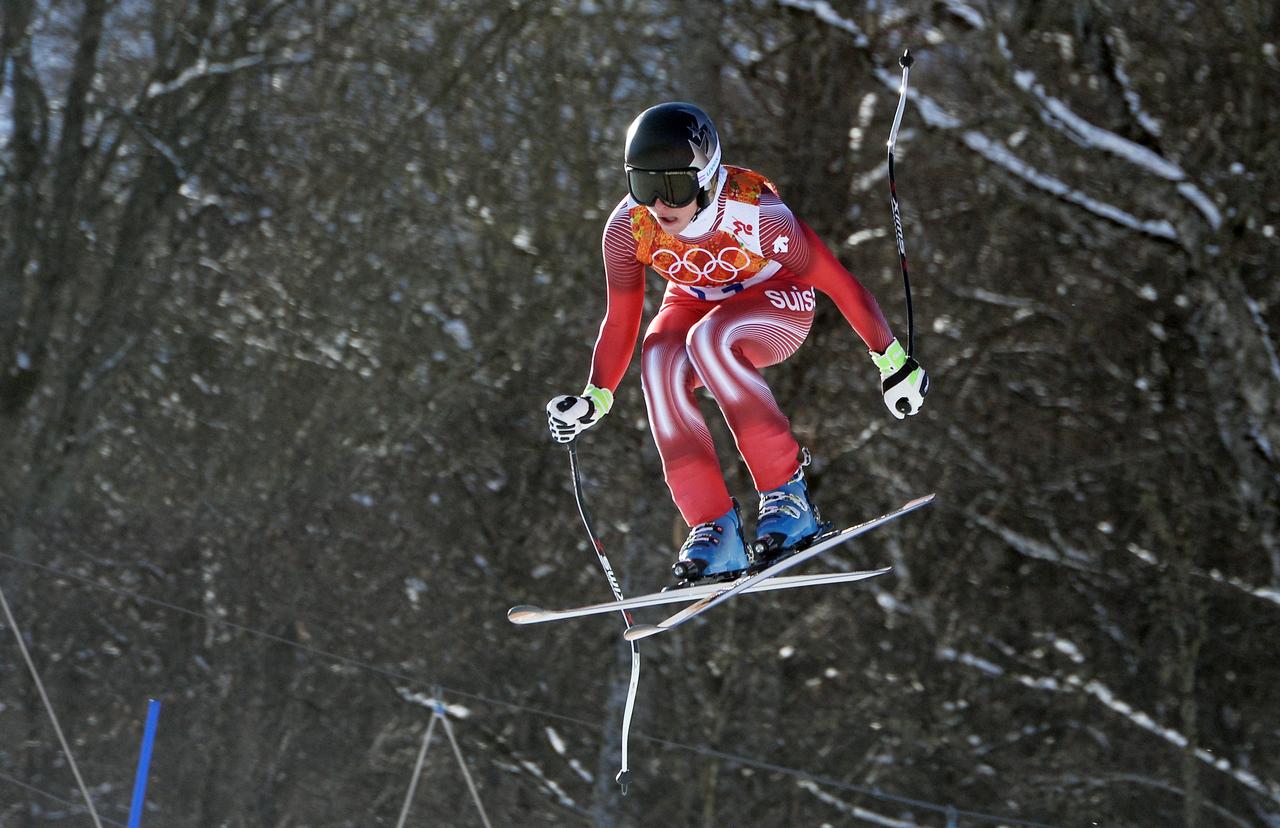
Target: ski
(723, 592)
(526, 614)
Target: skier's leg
(684, 442)
(760, 327)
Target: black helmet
(673, 153)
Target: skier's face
(673, 219)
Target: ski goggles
(676, 188)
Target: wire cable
(74, 806)
(700, 750)
(48, 706)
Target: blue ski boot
(788, 520)
(714, 548)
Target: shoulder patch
(747, 185)
(645, 230)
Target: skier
(742, 270)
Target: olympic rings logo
(698, 263)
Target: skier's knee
(705, 348)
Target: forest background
(285, 286)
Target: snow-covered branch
(1107, 698)
(1131, 97)
(202, 69)
(1033, 548)
(998, 154)
(558, 745)
(1058, 116)
(823, 11)
(1137, 779)
(966, 13)
(1264, 333)
(1270, 594)
(547, 784)
(856, 811)
(937, 117)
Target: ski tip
(871, 573)
(639, 631)
(524, 614)
(921, 501)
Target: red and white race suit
(740, 297)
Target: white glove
(902, 381)
(568, 416)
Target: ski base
(526, 614)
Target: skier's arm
(624, 282)
(569, 415)
(793, 244)
(903, 382)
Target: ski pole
(144, 764)
(624, 775)
(905, 62)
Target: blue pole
(144, 764)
